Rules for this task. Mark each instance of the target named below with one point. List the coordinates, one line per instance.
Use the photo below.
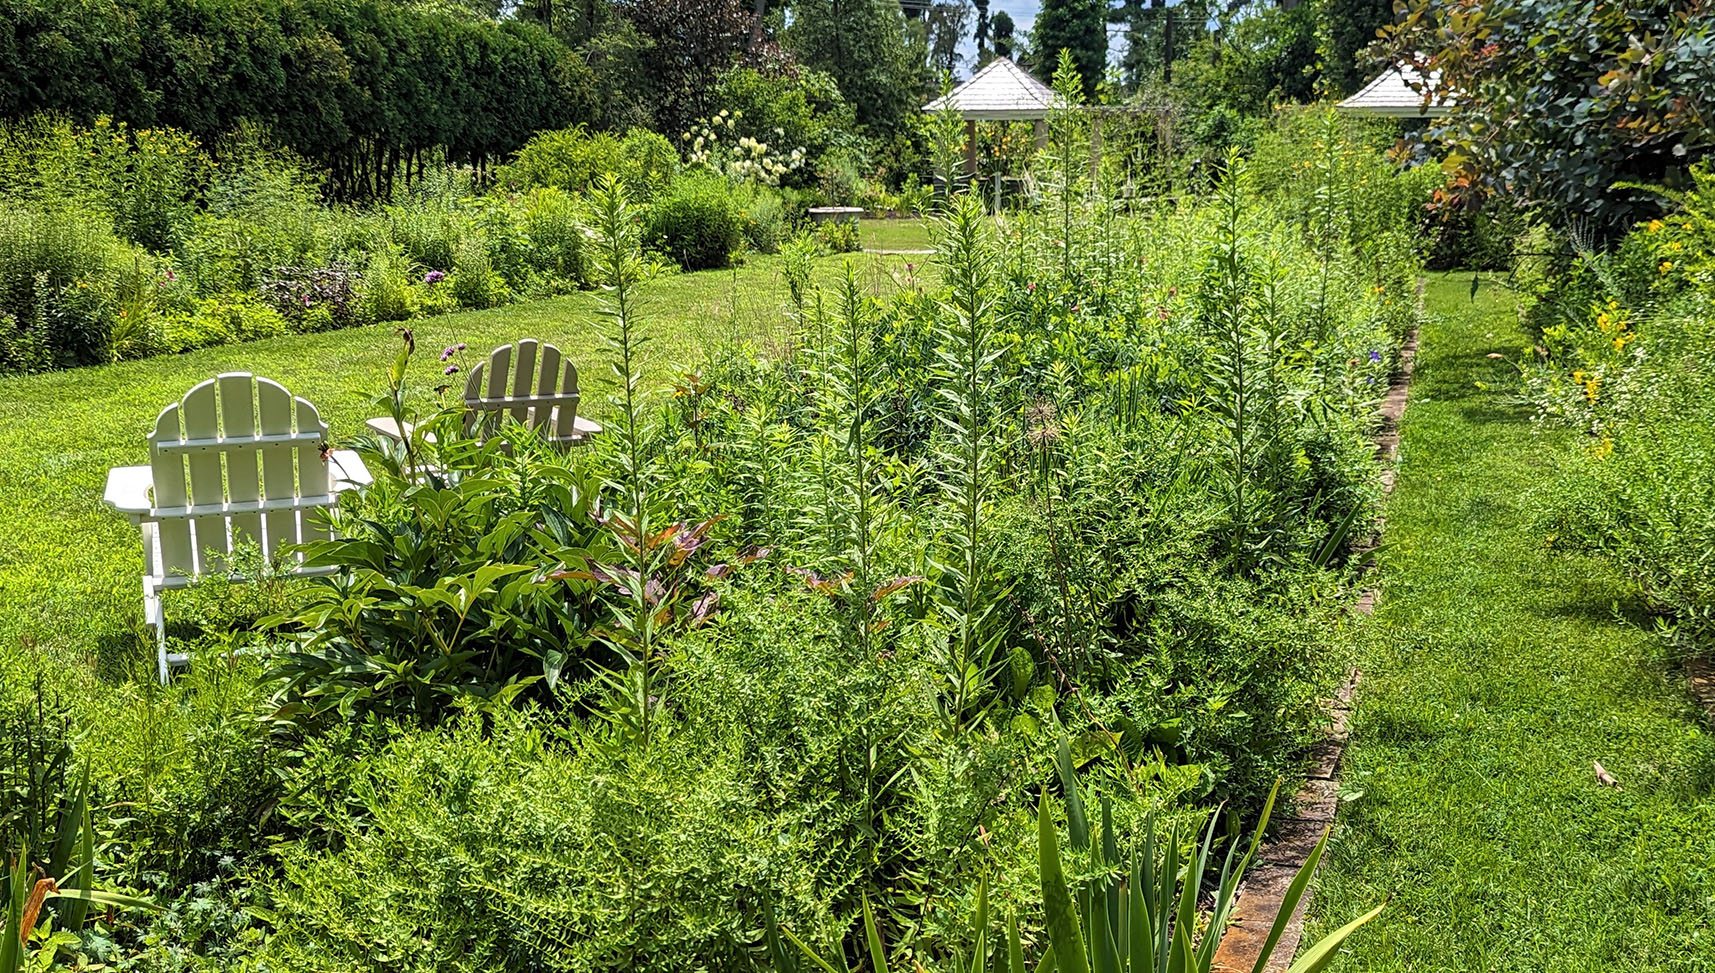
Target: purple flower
(434, 277)
(306, 300)
(170, 274)
(452, 369)
(448, 353)
(460, 346)
(1375, 356)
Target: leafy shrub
(219, 321)
(477, 569)
(716, 145)
(145, 181)
(57, 275)
(386, 290)
(839, 236)
(573, 159)
(1639, 487)
(314, 298)
(764, 219)
(474, 282)
(839, 175)
(233, 252)
(696, 222)
(1621, 351)
(428, 235)
(1477, 234)
(555, 235)
(796, 108)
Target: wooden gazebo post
(1001, 92)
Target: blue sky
(1023, 14)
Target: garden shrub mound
(120, 243)
(806, 632)
(1620, 348)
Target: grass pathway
(1495, 671)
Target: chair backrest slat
(167, 469)
(531, 381)
(524, 379)
(566, 414)
(279, 479)
(238, 423)
(313, 476)
(240, 442)
(202, 421)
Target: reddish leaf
(889, 587)
(704, 608)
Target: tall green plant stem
(967, 355)
(619, 269)
(1226, 303)
(1068, 95)
(852, 385)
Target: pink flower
(452, 369)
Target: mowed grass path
(70, 567)
(1495, 671)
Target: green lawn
(70, 566)
(901, 234)
(1495, 672)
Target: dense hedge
(365, 89)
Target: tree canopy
(361, 88)
(1077, 26)
(1568, 102)
(861, 45)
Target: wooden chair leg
(154, 618)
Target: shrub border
(1316, 803)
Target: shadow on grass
(120, 656)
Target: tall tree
(1001, 29)
(861, 45)
(1349, 26)
(947, 22)
(1567, 102)
(692, 42)
(984, 51)
(1076, 26)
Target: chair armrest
(385, 426)
(128, 490)
(347, 470)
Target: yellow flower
(1666, 265)
(1655, 226)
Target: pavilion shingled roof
(1397, 93)
(1001, 91)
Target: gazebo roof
(1001, 91)
(1398, 93)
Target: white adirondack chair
(532, 382)
(238, 456)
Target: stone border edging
(1314, 806)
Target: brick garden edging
(1313, 808)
